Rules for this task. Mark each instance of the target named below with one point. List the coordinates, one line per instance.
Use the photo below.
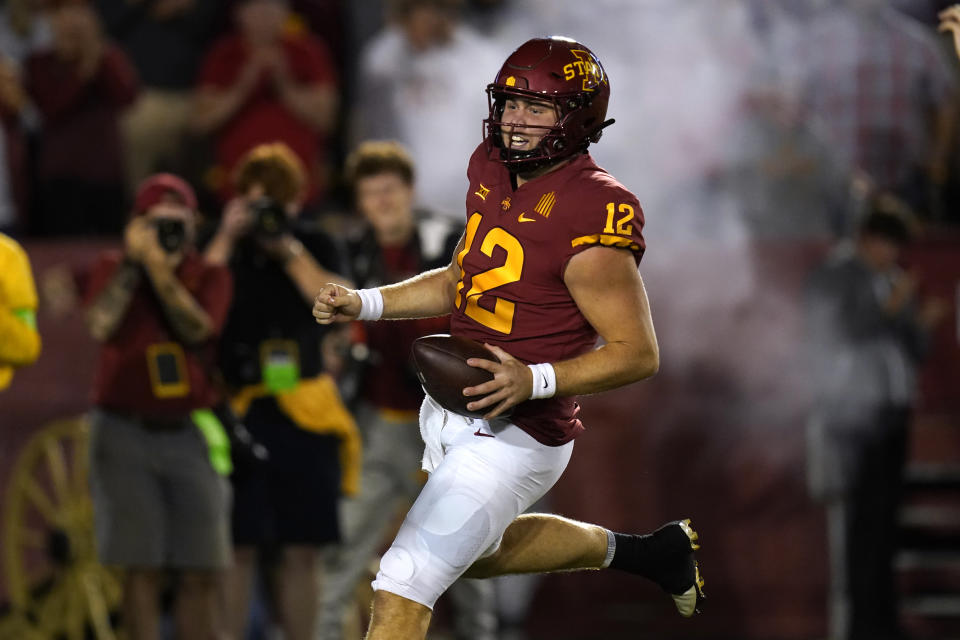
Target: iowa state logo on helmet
(585, 67)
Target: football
(441, 362)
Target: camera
(269, 217)
(171, 234)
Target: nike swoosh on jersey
(523, 218)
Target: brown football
(441, 362)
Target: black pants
(871, 511)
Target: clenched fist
(336, 304)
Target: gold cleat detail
(687, 602)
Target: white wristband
(371, 304)
(544, 381)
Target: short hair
(889, 218)
(276, 168)
(376, 157)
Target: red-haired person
(271, 357)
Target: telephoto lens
(171, 234)
(269, 217)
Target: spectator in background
(23, 29)
(19, 340)
(80, 87)
(393, 246)
(13, 186)
(267, 82)
(166, 40)
(158, 455)
(417, 78)
(271, 360)
(876, 85)
(868, 334)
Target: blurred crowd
(764, 110)
(244, 152)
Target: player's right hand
(336, 304)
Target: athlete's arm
(608, 290)
(427, 295)
(108, 309)
(188, 319)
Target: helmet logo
(510, 81)
(585, 66)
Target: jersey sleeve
(606, 216)
(18, 304)
(17, 290)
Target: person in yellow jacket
(19, 340)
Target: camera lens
(269, 217)
(171, 234)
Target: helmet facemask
(555, 142)
(558, 71)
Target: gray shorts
(157, 500)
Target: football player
(548, 262)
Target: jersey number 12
(501, 318)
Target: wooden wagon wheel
(52, 572)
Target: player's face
(386, 201)
(521, 121)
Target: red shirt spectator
(267, 83)
(81, 135)
(126, 374)
(13, 163)
(80, 86)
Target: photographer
(271, 361)
(158, 455)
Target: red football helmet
(556, 70)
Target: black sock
(631, 553)
(663, 556)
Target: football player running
(547, 263)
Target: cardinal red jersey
(517, 245)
